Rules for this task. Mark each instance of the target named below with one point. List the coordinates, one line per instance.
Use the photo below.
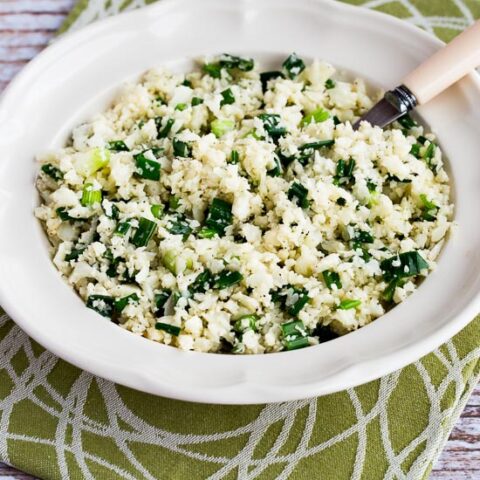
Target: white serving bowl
(79, 75)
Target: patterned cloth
(59, 422)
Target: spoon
(440, 71)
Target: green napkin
(59, 422)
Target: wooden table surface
(25, 28)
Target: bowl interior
(80, 75)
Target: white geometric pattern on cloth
(135, 429)
(105, 8)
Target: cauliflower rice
(226, 210)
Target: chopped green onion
(230, 62)
(181, 107)
(265, 77)
(167, 327)
(202, 283)
(227, 279)
(330, 83)
(361, 237)
(52, 171)
(122, 229)
(422, 140)
(221, 127)
(90, 196)
(341, 201)
(74, 254)
(301, 299)
(227, 97)
(98, 159)
(293, 328)
(117, 146)
(277, 170)
(102, 304)
(246, 322)
(181, 149)
(196, 101)
(114, 262)
(415, 150)
(146, 168)
(160, 300)
(407, 122)
(317, 116)
(389, 292)
(63, 215)
(348, 304)
(114, 212)
(169, 260)
(174, 202)
(429, 210)
(234, 157)
(405, 265)
(180, 226)
(300, 193)
(331, 279)
(187, 83)
(219, 216)
(293, 65)
(157, 210)
(163, 132)
(296, 343)
(146, 229)
(308, 149)
(213, 69)
(121, 303)
(271, 124)
(344, 173)
(206, 232)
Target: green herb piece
(219, 216)
(336, 120)
(98, 159)
(117, 146)
(429, 209)
(271, 124)
(300, 193)
(389, 292)
(213, 69)
(408, 264)
(317, 116)
(296, 343)
(265, 77)
(330, 83)
(220, 127)
(341, 201)
(227, 279)
(167, 327)
(102, 304)
(63, 215)
(74, 254)
(332, 278)
(227, 97)
(407, 122)
(348, 304)
(163, 132)
(146, 168)
(169, 260)
(121, 303)
(202, 283)
(114, 212)
(308, 149)
(344, 173)
(187, 83)
(160, 299)
(300, 298)
(422, 140)
(206, 232)
(114, 262)
(90, 196)
(179, 225)
(293, 328)
(234, 157)
(429, 154)
(52, 172)
(277, 170)
(146, 229)
(180, 107)
(174, 202)
(231, 61)
(157, 210)
(196, 101)
(394, 178)
(246, 322)
(415, 150)
(122, 228)
(181, 149)
(293, 65)
(361, 237)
